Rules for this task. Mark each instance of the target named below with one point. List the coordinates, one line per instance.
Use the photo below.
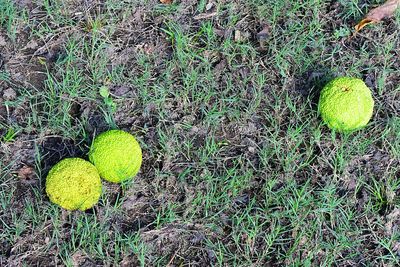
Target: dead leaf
(209, 6)
(219, 32)
(2, 41)
(205, 15)
(377, 14)
(26, 173)
(31, 45)
(238, 36)
(241, 36)
(9, 94)
(263, 35)
(220, 67)
(81, 259)
(166, 2)
(392, 221)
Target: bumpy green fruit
(346, 104)
(74, 184)
(117, 155)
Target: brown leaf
(81, 259)
(166, 2)
(263, 35)
(219, 32)
(2, 41)
(9, 94)
(377, 14)
(205, 15)
(26, 173)
(209, 6)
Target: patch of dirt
(31, 249)
(20, 62)
(26, 71)
(19, 153)
(393, 222)
(55, 148)
(378, 162)
(96, 123)
(139, 207)
(178, 242)
(81, 259)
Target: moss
(117, 155)
(346, 104)
(74, 184)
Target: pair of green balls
(74, 183)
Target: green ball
(117, 155)
(74, 184)
(346, 104)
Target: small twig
(205, 15)
(172, 259)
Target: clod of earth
(346, 104)
(117, 155)
(74, 184)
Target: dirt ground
(215, 92)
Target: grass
(235, 154)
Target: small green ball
(346, 104)
(74, 184)
(117, 155)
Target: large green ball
(117, 155)
(74, 184)
(346, 104)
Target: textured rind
(117, 155)
(74, 184)
(346, 104)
